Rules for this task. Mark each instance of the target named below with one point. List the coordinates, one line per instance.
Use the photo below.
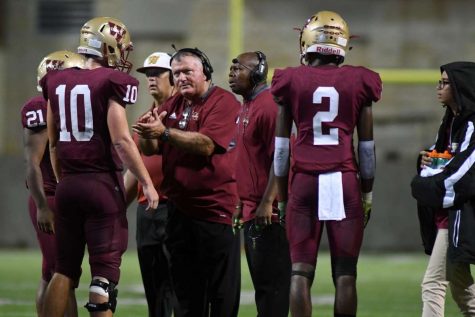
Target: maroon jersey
(325, 103)
(33, 117)
(79, 102)
(255, 150)
(203, 187)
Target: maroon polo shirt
(255, 150)
(202, 187)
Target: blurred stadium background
(406, 41)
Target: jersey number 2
(325, 116)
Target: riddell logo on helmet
(328, 50)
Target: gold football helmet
(107, 38)
(326, 33)
(58, 60)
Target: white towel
(330, 197)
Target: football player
(89, 140)
(327, 102)
(39, 173)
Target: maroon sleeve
(372, 85)
(124, 88)
(280, 85)
(220, 121)
(33, 114)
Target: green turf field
(388, 285)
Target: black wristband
(165, 137)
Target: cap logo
(117, 31)
(153, 59)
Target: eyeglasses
(442, 83)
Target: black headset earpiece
(259, 71)
(207, 68)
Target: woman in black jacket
(445, 192)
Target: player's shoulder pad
(120, 78)
(124, 86)
(33, 113)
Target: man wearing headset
(192, 131)
(265, 243)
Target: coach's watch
(165, 137)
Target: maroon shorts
(91, 211)
(304, 230)
(47, 242)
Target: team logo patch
(117, 31)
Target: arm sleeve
(33, 114)
(280, 86)
(373, 85)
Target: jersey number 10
(85, 92)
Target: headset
(258, 73)
(207, 68)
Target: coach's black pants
(268, 258)
(205, 266)
(153, 260)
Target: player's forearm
(282, 187)
(34, 179)
(191, 142)
(130, 156)
(367, 185)
(130, 184)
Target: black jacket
(454, 188)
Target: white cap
(156, 60)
